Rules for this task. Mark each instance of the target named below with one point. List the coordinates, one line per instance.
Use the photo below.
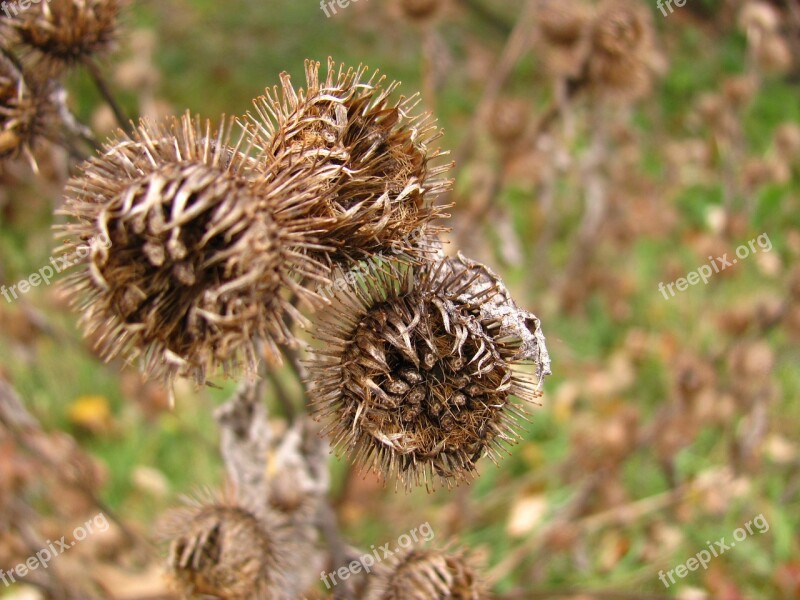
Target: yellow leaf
(92, 413)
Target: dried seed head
(27, 112)
(420, 10)
(378, 180)
(563, 36)
(445, 342)
(226, 552)
(787, 141)
(509, 120)
(65, 32)
(427, 575)
(774, 54)
(186, 260)
(621, 49)
(739, 90)
(759, 18)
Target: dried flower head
(27, 112)
(509, 120)
(65, 32)
(420, 10)
(187, 261)
(563, 28)
(224, 551)
(621, 49)
(757, 18)
(419, 368)
(787, 141)
(428, 575)
(381, 181)
(774, 54)
(739, 90)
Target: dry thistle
(509, 121)
(381, 181)
(224, 551)
(26, 113)
(563, 28)
(420, 10)
(196, 258)
(759, 18)
(419, 367)
(621, 49)
(787, 142)
(62, 33)
(428, 575)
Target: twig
(283, 397)
(295, 364)
(244, 444)
(429, 66)
(336, 546)
(108, 96)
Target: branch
(108, 96)
(245, 438)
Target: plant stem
(336, 546)
(284, 399)
(108, 96)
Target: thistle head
(27, 112)
(619, 64)
(428, 575)
(379, 175)
(186, 260)
(62, 33)
(419, 369)
(509, 121)
(224, 551)
(563, 27)
(420, 11)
